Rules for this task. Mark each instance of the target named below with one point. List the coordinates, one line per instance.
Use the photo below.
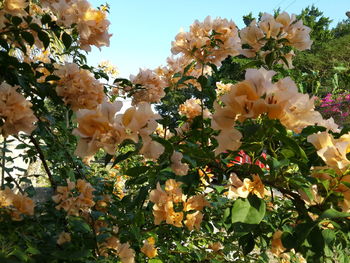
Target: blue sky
(143, 30)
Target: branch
(42, 158)
(3, 164)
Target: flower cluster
(16, 204)
(148, 248)
(149, 87)
(122, 250)
(177, 166)
(103, 128)
(177, 65)
(237, 188)
(78, 87)
(284, 26)
(210, 41)
(74, 197)
(192, 108)
(14, 7)
(15, 112)
(332, 151)
(170, 205)
(92, 23)
(338, 107)
(257, 95)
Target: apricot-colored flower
(16, 204)
(177, 166)
(198, 42)
(122, 250)
(277, 247)
(332, 151)
(254, 37)
(78, 87)
(15, 7)
(237, 188)
(216, 246)
(270, 26)
(97, 129)
(15, 112)
(314, 199)
(196, 202)
(148, 248)
(194, 220)
(92, 24)
(192, 108)
(151, 87)
(64, 237)
(74, 204)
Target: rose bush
(163, 181)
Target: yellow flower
(148, 248)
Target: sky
(143, 29)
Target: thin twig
(68, 154)
(3, 164)
(42, 158)
(16, 183)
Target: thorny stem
(42, 158)
(3, 164)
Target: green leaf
(247, 243)
(16, 20)
(136, 171)
(226, 214)
(52, 77)
(249, 211)
(79, 225)
(332, 213)
(67, 40)
(44, 37)
(28, 37)
(35, 27)
(46, 19)
(33, 250)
